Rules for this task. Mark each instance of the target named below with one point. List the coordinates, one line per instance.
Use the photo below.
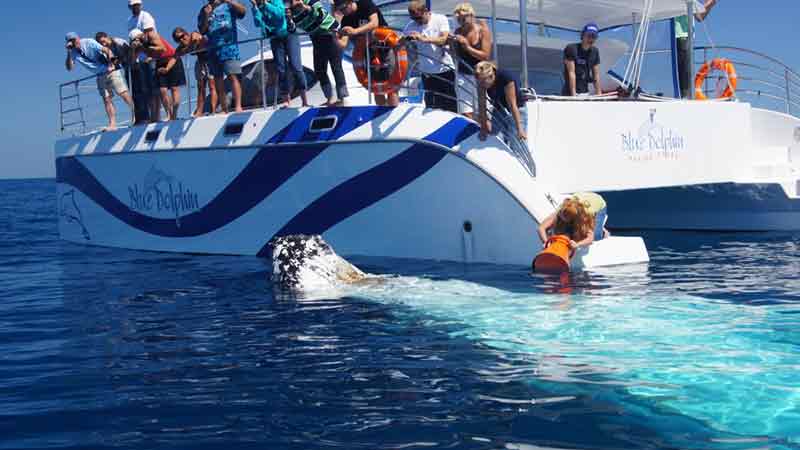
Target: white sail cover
(574, 14)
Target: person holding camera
(429, 33)
(99, 60)
(274, 20)
(169, 68)
(217, 22)
(312, 17)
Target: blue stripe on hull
(374, 185)
(267, 171)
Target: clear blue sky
(33, 64)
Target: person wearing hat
(582, 64)
(143, 72)
(98, 60)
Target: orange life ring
(717, 64)
(383, 41)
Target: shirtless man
(472, 42)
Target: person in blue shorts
(218, 22)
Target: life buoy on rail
(388, 61)
(718, 64)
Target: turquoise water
(104, 348)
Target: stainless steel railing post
(369, 68)
(788, 92)
(263, 74)
(188, 86)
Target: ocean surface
(104, 348)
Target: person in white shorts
(99, 60)
(472, 42)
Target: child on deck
(312, 17)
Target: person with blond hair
(472, 43)
(428, 33)
(581, 217)
(507, 102)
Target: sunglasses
(180, 37)
(417, 18)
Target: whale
(308, 264)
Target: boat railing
(79, 116)
(763, 81)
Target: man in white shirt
(429, 33)
(146, 94)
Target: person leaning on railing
(472, 43)
(217, 22)
(195, 43)
(99, 60)
(169, 69)
(582, 64)
(359, 18)
(146, 95)
(312, 17)
(502, 87)
(429, 33)
(270, 16)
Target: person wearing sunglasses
(428, 32)
(472, 43)
(196, 44)
(582, 64)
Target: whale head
(302, 263)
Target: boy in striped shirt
(312, 17)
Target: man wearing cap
(582, 64)
(143, 72)
(98, 60)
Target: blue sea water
(105, 348)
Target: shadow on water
(106, 348)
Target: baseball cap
(134, 2)
(71, 35)
(134, 34)
(591, 28)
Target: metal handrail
(518, 148)
(773, 68)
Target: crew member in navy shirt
(582, 64)
(503, 90)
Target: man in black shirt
(582, 64)
(359, 17)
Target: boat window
(152, 136)
(322, 124)
(234, 129)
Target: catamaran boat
(411, 182)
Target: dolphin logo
(68, 209)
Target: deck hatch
(234, 129)
(323, 124)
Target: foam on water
(731, 366)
